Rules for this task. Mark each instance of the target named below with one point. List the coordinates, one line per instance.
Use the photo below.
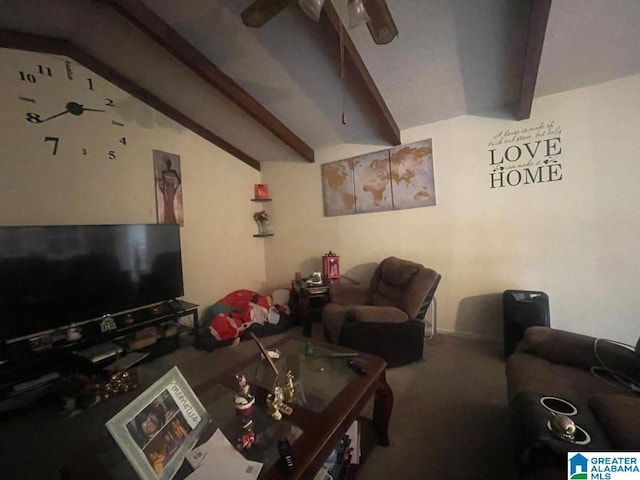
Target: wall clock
(58, 108)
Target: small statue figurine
(244, 401)
(272, 408)
(288, 388)
(275, 403)
(247, 437)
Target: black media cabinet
(30, 368)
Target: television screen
(55, 276)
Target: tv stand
(153, 329)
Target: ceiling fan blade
(261, 11)
(381, 25)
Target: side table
(302, 295)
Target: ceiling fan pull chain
(343, 117)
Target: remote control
(286, 458)
(357, 366)
(338, 354)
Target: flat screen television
(53, 277)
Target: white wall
(575, 238)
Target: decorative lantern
(331, 266)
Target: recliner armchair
(385, 317)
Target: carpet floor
(450, 417)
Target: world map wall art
(393, 179)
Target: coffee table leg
(305, 312)
(382, 406)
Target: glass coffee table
(329, 396)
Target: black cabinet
(522, 309)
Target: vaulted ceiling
(283, 91)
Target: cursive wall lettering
(526, 156)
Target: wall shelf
(261, 194)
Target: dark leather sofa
(599, 378)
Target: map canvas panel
(338, 188)
(412, 175)
(393, 179)
(371, 175)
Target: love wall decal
(525, 156)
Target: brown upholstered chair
(385, 317)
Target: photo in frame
(261, 191)
(265, 354)
(158, 429)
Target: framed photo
(158, 428)
(265, 354)
(261, 191)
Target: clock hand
(77, 109)
(53, 116)
(72, 107)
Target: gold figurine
(275, 402)
(288, 388)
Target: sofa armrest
(348, 294)
(581, 351)
(620, 417)
(371, 313)
(559, 346)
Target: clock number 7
(55, 143)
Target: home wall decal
(525, 156)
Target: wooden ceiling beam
(58, 46)
(354, 55)
(537, 28)
(154, 26)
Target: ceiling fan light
(357, 14)
(381, 25)
(312, 8)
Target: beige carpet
(450, 418)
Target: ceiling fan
(375, 12)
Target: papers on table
(218, 459)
